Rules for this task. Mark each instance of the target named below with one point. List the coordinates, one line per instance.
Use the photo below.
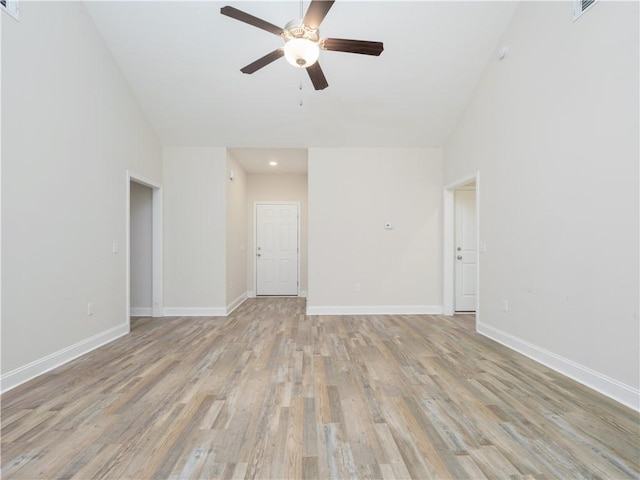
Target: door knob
(459, 257)
(459, 248)
(257, 255)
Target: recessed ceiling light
(273, 164)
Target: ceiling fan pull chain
(300, 89)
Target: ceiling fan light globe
(301, 52)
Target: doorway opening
(461, 246)
(144, 241)
(140, 250)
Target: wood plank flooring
(268, 392)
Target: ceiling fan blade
(317, 77)
(264, 61)
(250, 19)
(352, 46)
(316, 12)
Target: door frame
(255, 241)
(157, 292)
(448, 247)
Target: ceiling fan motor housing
(297, 29)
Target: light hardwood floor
(268, 392)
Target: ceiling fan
(302, 41)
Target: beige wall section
(236, 267)
(194, 230)
(553, 130)
(355, 264)
(71, 128)
(277, 188)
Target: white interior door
(465, 251)
(276, 249)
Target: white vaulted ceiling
(183, 60)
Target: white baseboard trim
(140, 312)
(251, 294)
(612, 388)
(304, 294)
(376, 310)
(194, 311)
(236, 303)
(27, 372)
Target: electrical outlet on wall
(90, 309)
(356, 287)
(505, 306)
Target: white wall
(195, 230)
(352, 194)
(277, 188)
(71, 128)
(140, 249)
(236, 249)
(1, 14)
(553, 131)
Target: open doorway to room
(461, 246)
(140, 251)
(144, 247)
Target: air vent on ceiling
(581, 6)
(11, 7)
